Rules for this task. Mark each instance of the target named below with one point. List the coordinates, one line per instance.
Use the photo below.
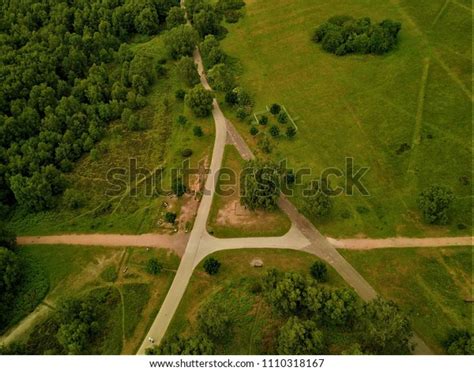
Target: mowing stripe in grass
(419, 115)
(462, 6)
(440, 13)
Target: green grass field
(225, 221)
(255, 325)
(157, 147)
(136, 296)
(366, 107)
(430, 284)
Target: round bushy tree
(253, 130)
(176, 16)
(153, 266)
(212, 265)
(299, 337)
(199, 100)
(434, 202)
(181, 41)
(197, 131)
(275, 109)
(282, 117)
(263, 120)
(274, 131)
(319, 271)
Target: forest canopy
(65, 72)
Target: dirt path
(176, 242)
(22, 328)
(400, 242)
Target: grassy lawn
(366, 107)
(429, 283)
(255, 325)
(134, 298)
(134, 209)
(229, 219)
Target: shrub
(317, 205)
(299, 337)
(459, 342)
(197, 131)
(290, 132)
(181, 120)
(434, 202)
(274, 131)
(187, 152)
(275, 109)
(221, 78)
(282, 117)
(264, 145)
(263, 120)
(253, 130)
(211, 266)
(170, 217)
(187, 71)
(73, 199)
(180, 94)
(319, 271)
(178, 187)
(153, 266)
(231, 98)
(242, 113)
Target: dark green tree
(199, 100)
(181, 41)
(212, 266)
(153, 266)
(319, 271)
(300, 337)
(187, 70)
(176, 17)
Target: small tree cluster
(434, 202)
(342, 35)
(260, 185)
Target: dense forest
(65, 72)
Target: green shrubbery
(342, 35)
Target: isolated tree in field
(386, 330)
(221, 78)
(187, 70)
(275, 109)
(459, 342)
(7, 238)
(282, 117)
(260, 185)
(253, 130)
(176, 17)
(199, 100)
(274, 131)
(212, 266)
(197, 131)
(434, 202)
(319, 271)
(181, 41)
(299, 337)
(180, 94)
(153, 266)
